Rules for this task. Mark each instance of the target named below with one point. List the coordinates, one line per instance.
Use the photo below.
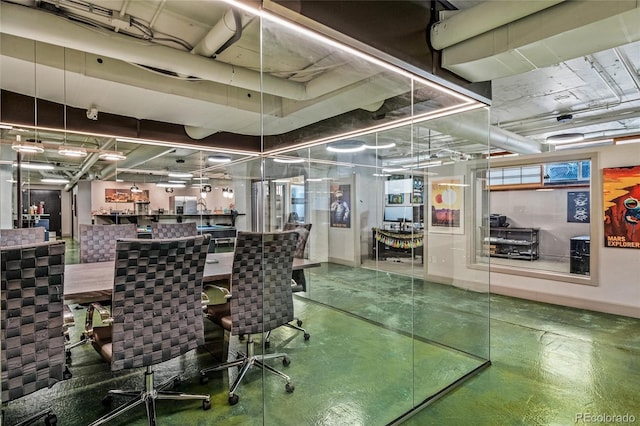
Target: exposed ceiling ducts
(552, 35)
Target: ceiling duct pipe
(486, 16)
(228, 29)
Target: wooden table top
(93, 282)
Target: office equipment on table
(260, 283)
(33, 352)
(156, 288)
(580, 255)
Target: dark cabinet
(580, 255)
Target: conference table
(93, 282)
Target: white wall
(616, 286)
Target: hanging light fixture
(26, 147)
(69, 151)
(135, 188)
(219, 158)
(112, 156)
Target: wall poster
(446, 205)
(340, 210)
(621, 197)
(114, 195)
(578, 206)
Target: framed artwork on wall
(395, 199)
(621, 197)
(578, 206)
(446, 205)
(340, 208)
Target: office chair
(21, 236)
(261, 299)
(98, 244)
(156, 315)
(173, 230)
(299, 282)
(33, 355)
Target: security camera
(92, 113)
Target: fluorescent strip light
(180, 182)
(396, 169)
(381, 174)
(313, 180)
(53, 180)
(6, 126)
(72, 152)
(289, 160)
(385, 146)
(180, 174)
(112, 156)
(200, 178)
(169, 185)
(35, 166)
(27, 148)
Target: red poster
(621, 196)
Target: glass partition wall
(383, 164)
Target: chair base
(307, 336)
(148, 397)
(245, 362)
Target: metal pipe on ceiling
(486, 16)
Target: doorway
(51, 199)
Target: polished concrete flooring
(379, 344)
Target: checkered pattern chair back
(303, 230)
(173, 230)
(33, 355)
(21, 236)
(157, 300)
(261, 281)
(98, 242)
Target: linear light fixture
(583, 144)
(289, 160)
(112, 156)
(54, 180)
(35, 166)
(27, 147)
(69, 151)
(170, 185)
(180, 175)
(425, 165)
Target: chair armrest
(214, 295)
(105, 316)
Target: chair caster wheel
(204, 379)
(206, 404)
(307, 336)
(289, 387)
(286, 361)
(67, 373)
(233, 399)
(299, 323)
(107, 399)
(51, 420)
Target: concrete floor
(550, 364)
